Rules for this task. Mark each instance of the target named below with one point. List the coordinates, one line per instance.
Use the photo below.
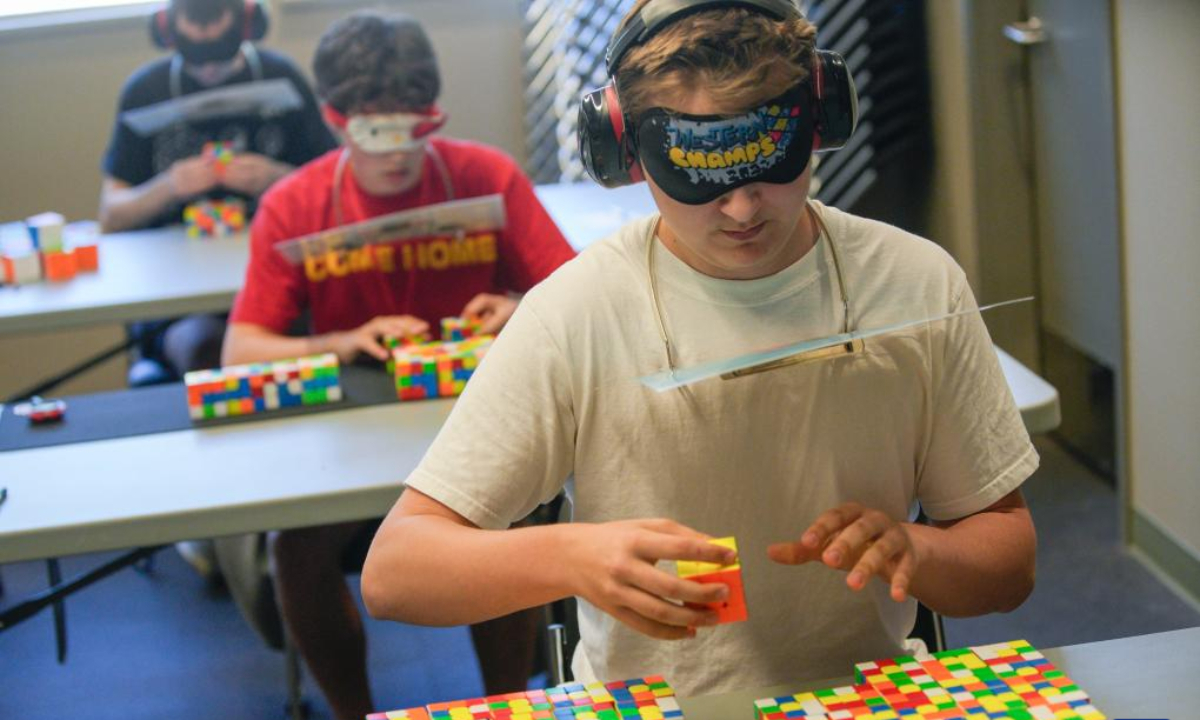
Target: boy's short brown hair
(378, 63)
(739, 56)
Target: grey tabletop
(143, 275)
(1147, 676)
(206, 482)
(163, 273)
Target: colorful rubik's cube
(857, 702)
(436, 369)
(87, 256)
(220, 151)
(21, 269)
(732, 609)
(457, 328)
(215, 218)
(409, 714)
(1006, 681)
(649, 698)
(259, 387)
(46, 231)
(391, 343)
(59, 265)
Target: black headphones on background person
(605, 132)
(162, 24)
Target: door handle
(1029, 32)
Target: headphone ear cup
(603, 146)
(835, 101)
(257, 22)
(160, 29)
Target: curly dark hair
(371, 61)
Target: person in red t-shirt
(378, 81)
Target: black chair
(562, 635)
(146, 363)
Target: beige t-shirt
(923, 415)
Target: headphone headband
(657, 14)
(254, 22)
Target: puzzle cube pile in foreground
(1005, 681)
(649, 698)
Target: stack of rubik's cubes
(1005, 681)
(259, 387)
(216, 218)
(648, 698)
(733, 609)
(425, 369)
(38, 251)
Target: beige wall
(1157, 56)
(981, 202)
(60, 87)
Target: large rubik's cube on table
(429, 369)
(259, 387)
(649, 698)
(1005, 681)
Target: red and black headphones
(606, 142)
(162, 24)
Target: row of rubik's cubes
(257, 387)
(424, 369)
(40, 252)
(216, 218)
(1005, 681)
(649, 698)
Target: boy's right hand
(614, 569)
(366, 338)
(192, 176)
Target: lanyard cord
(822, 231)
(339, 175)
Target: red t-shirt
(429, 278)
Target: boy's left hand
(492, 311)
(251, 174)
(857, 539)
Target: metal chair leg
(556, 638)
(297, 707)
